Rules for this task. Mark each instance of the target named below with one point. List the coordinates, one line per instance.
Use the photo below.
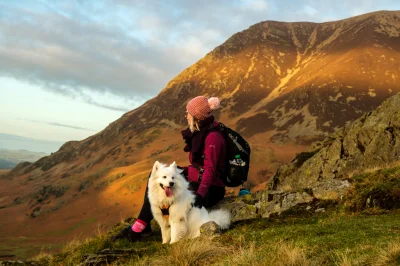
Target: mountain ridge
(283, 112)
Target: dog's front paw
(166, 240)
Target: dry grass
(199, 251)
(73, 244)
(287, 254)
(373, 169)
(245, 255)
(100, 230)
(43, 256)
(342, 259)
(389, 256)
(278, 254)
(70, 249)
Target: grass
(335, 238)
(380, 188)
(200, 251)
(363, 230)
(323, 237)
(388, 256)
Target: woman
(207, 151)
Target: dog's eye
(164, 177)
(173, 177)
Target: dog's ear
(156, 166)
(173, 164)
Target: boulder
(210, 229)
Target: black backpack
(237, 160)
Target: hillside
(317, 217)
(282, 85)
(279, 83)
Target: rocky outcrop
(372, 141)
(268, 203)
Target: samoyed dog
(172, 205)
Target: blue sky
(69, 68)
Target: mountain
(15, 142)
(6, 164)
(282, 86)
(282, 82)
(10, 158)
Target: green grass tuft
(379, 189)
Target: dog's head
(167, 177)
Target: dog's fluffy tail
(221, 217)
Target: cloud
(57, 124)
(255, 5)
(88, 50)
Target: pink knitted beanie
(200, 107)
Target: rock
(331, 190)
(372, 141)
(280, 201)
(210, 229)
(263, 204)
(240, 211)
(320, 210)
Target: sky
(70, 68)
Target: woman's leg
(141, 225)
(145, 213)
(214, 195)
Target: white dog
(171, 203)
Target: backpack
(237, 159)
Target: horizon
(60, 88)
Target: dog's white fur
(184, 220)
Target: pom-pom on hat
(200, 107)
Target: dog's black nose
(171, 184)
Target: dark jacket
(213, 161)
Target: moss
(378, 189)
